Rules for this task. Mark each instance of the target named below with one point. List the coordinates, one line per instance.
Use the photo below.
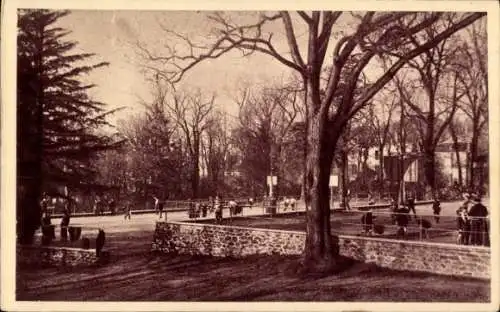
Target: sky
(111, 35)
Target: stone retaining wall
(55, 256)
(219, 240)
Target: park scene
(252, 156)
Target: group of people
(400, 216)
(100, 205)
(472, 223)
(46, 218)
(289, 202)
(215, 205)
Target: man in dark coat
(410, 203)
(436, 208)
(64, 224)
(478, 214)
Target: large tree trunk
(320, 252)
(430, 170)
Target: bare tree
(372, 34)
(473, 75)
(215, 146)
(266, 117)
(191, 114)
(379, 121)
(436, 105)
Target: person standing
(463, 226)
(64, 224)
(293, 203)
(436, 208)
(478, 214)
(156, 204)
(128, 211)
(402, 220)
(410, 203)
(112, 206)
(367, 222)
(218, 209)
(285, 203)
(347, 200)
(161, 204)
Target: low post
(420, 233)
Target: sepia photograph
(162, 158)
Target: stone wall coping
(374, 239)
(419, 243)
(91, 250)
(230, 226)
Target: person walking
(128, 211)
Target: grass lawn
(349, 223)
(135, 274)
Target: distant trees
(433, 97)
(473, 76)
(263, 134)
(216, 153)
(59, 127)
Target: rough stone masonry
(223, 241)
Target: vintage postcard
(272, 156)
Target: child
(292, 203)
(402, 220)
(425, 225)
(285, 203)
(463, 226)
(367, 221)
(436, 208)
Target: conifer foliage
(59, 127)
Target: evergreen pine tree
(59, 127)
